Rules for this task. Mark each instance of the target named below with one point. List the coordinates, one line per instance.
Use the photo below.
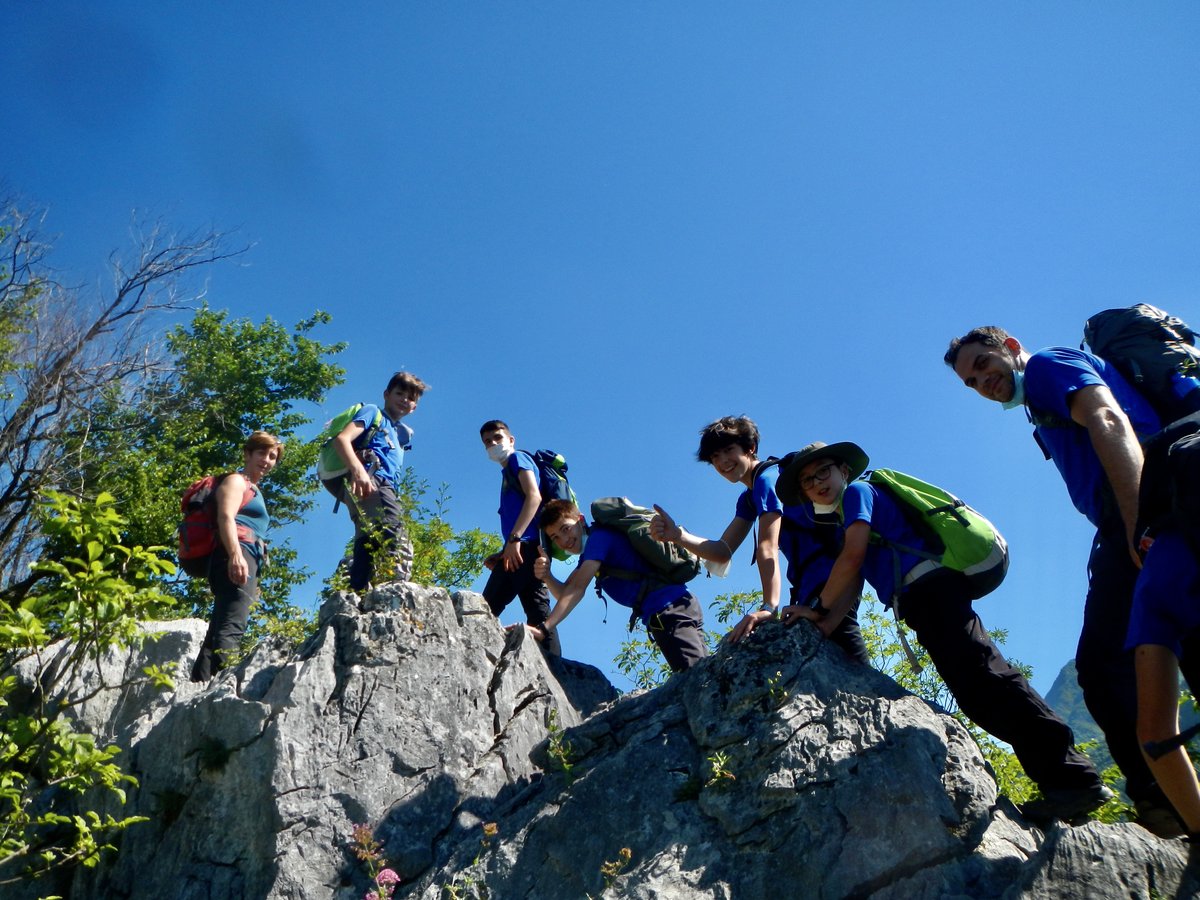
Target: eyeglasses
(822, 474)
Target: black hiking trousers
(231, 612)
(991, 692)
(502, 587)
(1105, 667)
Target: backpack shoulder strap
(510, 480)
(368, 431)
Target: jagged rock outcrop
(776, 770)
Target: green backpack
(961, 538)
(330, 465)
(669, 563)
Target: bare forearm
(713, 551)
(772, 583)
(1121, 457)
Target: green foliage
(441, 555)
(775, 689)
(639, 660)
(92, 592)
(730, 608)
(560, 751)
(1116, 809)
(227, 378)
(719, 773)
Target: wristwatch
(514, 538)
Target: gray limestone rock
(774, 769)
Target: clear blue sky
(609, 224)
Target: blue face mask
(1018, 397)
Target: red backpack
(198, 529)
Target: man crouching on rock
(671, 614)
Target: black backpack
(1170, 489)
(1155, 351)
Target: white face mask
(717, 569)
(1018, 397)
(499, 453)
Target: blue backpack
(552, 476)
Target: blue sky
(609, 224)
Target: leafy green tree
(90, 597)
(441, 555)
(225, 379)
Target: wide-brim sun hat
(788, 486)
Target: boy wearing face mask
(520, 502)
(937, 606)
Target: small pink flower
(387, 876)
(370, 895)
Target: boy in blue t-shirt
(520, 502)
(371, 486)
(1090, 421)
(936, 603)
(671, 614)
(808, 545)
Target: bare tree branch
(63, 348)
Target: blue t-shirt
(512, 498)
(388, 443)
(1051, 376)
(799, 534)
(1166, 599)
(609, 547)
(863, 502)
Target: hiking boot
(1071, 805)
(1158, 819)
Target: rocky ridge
(778, 769)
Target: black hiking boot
(1070, 805)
